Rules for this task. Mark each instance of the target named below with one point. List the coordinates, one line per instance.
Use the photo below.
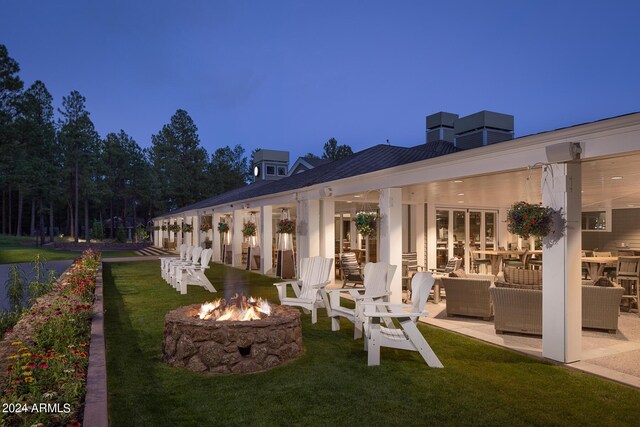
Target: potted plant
(526, 219)
(286, 226)
(205, 226)
(249, 229)
(175, 228)
(223, 227)
(187, 228)
(366, 223)
(164, 227)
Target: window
(282, 171)
(271, 170)
(596, 221)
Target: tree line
(60, 174)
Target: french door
(461, 230)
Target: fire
(239, 308)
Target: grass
(331, 383)
(22, 249)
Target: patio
(611, 356)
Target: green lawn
(331, 384)
(22, 249)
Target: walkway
(611, 356)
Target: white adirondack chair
(166, 269)
(407, 337)
(309, 288)
(165, 260)
(377, 284)
(194, 260)
(194, 274)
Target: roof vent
(440, 127)
(483, 128)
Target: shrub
(121, 235)
(97, 231)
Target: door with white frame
(459, 231)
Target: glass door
(442, 239)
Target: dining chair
(628, 276)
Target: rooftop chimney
(483, 128)
(440, 127)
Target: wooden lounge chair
(351, 271)
(377, 283)
(407, 336)
(194, 274)
(309, 288)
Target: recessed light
(457, 180)
(348, 201)
(616, 177)
(357, 195)
(460, 201)
(460, 194)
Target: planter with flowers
(249, 229)
(366, 223)
(205, 226)
(163, 227)
(286, 226)
(526, 220)
(174, 228)
(187, 228)
(47, 351)
(223, 227)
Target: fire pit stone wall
(227, 347)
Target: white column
(503, 233)
(419, 233)
(432, 236)
(215, 241)
(353, 233)
(391, 236)
(196, 233)
(328, 232)
(308, 230)
(561, 275)
(236, 237)
(407, 230)
(266, 239)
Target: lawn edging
(95, 407)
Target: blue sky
(292, 74)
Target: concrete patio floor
(612, 356)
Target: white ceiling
(502, 189)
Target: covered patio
(445, 204)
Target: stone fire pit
(205, 345)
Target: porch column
(561, 275)
(391, 236)
(236, 238)
(328, 232)
(308, 229)
(196, 233)
(432, 237)
(215, 241)
(419, 233)
(266, 239)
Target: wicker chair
(351, 271)
(469, 296)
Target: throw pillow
(604, 282)
(458, 273)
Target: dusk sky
(290, 75)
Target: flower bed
(44, 359)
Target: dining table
(496, 256)
(595, 264)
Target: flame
(239, 308)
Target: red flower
(524, 216)
(533, 221)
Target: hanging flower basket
(174, 228)
(187, 228)
(205, 227)
(164, 227)
(286, 226)
(156, 227)
(526, 220)
(366, 223)
(223, 227)
(249, 229)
